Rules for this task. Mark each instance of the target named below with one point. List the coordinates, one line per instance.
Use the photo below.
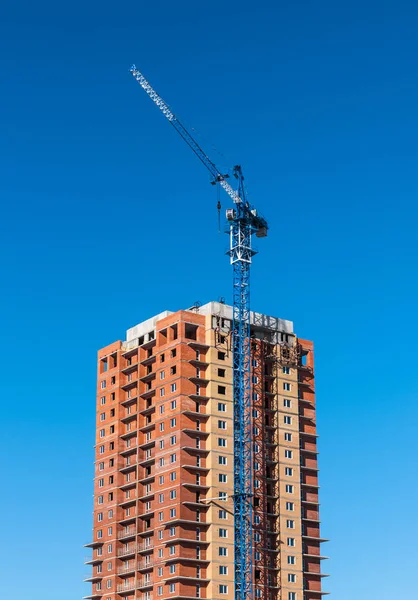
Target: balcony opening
(190, 331)
(174, 331)
(162, 336)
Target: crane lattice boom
(216, 174)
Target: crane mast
(243, 223)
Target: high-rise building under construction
(164, 465)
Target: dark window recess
(110, 497)
(140, 340)
(112, 462)
(112, 446)
(151, 335)
(149, 369)
(221, 372)
(173, 370)
(222, 339)
(173, 353)
(149, 353)
(221, 390)
(114, 358)
(112, 396)
(113, 380)
(112, 412)
(112, 429)
(221, 355)
(162, 357)
(111, 478)
(174, 330)
(190, 331)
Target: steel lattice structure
(243, 223)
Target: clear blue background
(107, 219)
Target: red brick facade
(162, 494)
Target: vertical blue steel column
(241, 254)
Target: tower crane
(243, 221)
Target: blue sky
(318, 102)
